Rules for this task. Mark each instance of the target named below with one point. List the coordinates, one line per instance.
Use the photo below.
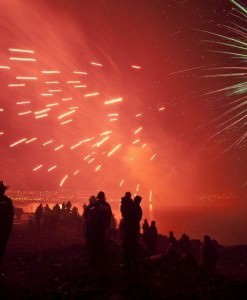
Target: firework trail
(233, 45)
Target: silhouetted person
(184, 244)
(132, 213)
(209, 254)
(137, 212)
(145, 228)
(171, 239)
(98, 218)
(6, 219)
(152, 238)
(38, 216)
(68, 206)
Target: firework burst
(233, 45)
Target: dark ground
(54, 266)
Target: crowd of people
(99, 225)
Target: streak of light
(161, 108)
(31, 140)
(46, 94)
(106, 132)
(136, 142)
(91, 160)
(52, 82)
(81, 142)
(41, 116)
(47, 143)
(144, 145)
(66, 122)
(50, 72)
(87, 157)
(67, 99)
(52, 104)
(22, 59)
(113, 115)
(98, 168)
(16, 84)
(153, 157)
(17, 142)
(121, 182)
(80, 86)
(55, 91)
(1, 132)
(76, 172)
(73, 81)
(186, 70)
(59, 147)
(63, 180)
(138, 130)
(113, 119)
(5, 67)
(42, 111)
(52, 168)
(138, 115)
(91, 95)
(66, 114)
(101, 142)
(241, 7)
(137, 187)
(96, 64)
(21, 50)
(114, 150)
(26, 77)
(80, 72)
(113, 101)
(1, 109)
(136, 67)
(24, 113)
(23, 102)
(150, 196)
(37, 168)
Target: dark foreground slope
(54, 266)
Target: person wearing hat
(6, 219)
